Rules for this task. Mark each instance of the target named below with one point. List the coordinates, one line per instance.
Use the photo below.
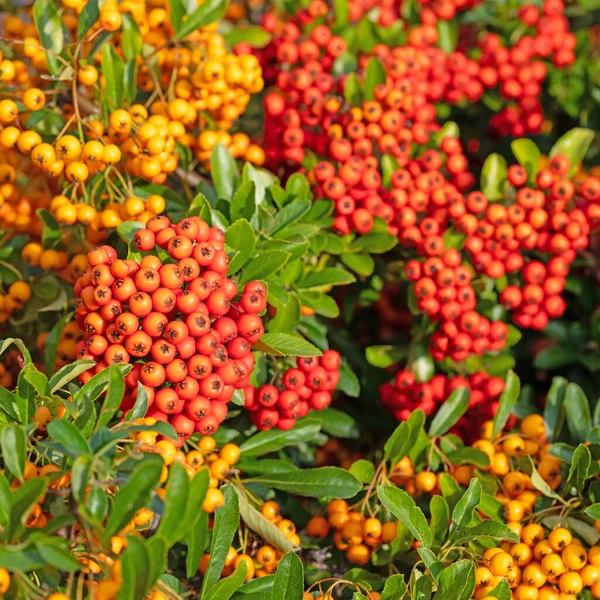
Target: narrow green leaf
(402, 506)
(289, 579)
(508, 399)
(450, 412)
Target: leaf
(52, 341)
(580, 467)
(287, 317)
(87, 17)
(289, 214)
(353, 93)
(394, 588)
(113, 69)
(447, 35)
(456, 582)
(574, 145)
(363, 264)
(140, 408)
(196, 541)
(375, 74)
(363, 470)
(273, 440)
(80, 473)
(404, 437)
(537, 481)
(528, 155)
(337, 423)
(579, 418)
(384, 356)
(243, 203)
(508, 399)
(228, 586)
(23, 499)
(286, 344)
(240, 237)
(440, 515)
(553, 410)
(50, 31)
(349, 383)
(467, 455)
(493, 177)
(421, 363)
(57, 556)
(263, 264)
(13, 442)
(208, 12)
(222, 164)
(593, 511)
(175, 502)
(331, 482)
(341, 17)
(135, 568)
(492, 530)
(463, 512)
(114, 396)
(253, 35)
(501, 591)
(133, 495)
(402, 506)
(375, 243)
(450, 412)
(69, 437)
(434, 566)
(157, 561)
(132, 40)
(327, 277)
(265, 529)
(227, 518)
(289, 579)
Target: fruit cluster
(355, 534)
(175, 319)
(308, 386)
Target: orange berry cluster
(354, 534)
(307, 387)
(175, 320)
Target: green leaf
(579, 418)
(421, 363)
(87, 17)
(57, 556)
(440, 515)
(266, 442)
(287, 317)
(450, 412)
(384, 356)
(23, 499)
(375, 74)
(208, 12)
(574, 144)
(222, 164)
(289, 579)
(536, 479)
(229, 585)
(447, 35)
(394, 588)
(327, 277)
(289, 214)
(264, 528)
(528, 155)
(404, 437)
(13, 441)
(349, 383)
(375, 242)
(501, 591)
(341, 16)
(363, 264)
(50, 31)
(243, 203)
(68, 436)
(253, 35)
(196, 541)
(263, 264)
(240, 237)
(157, 561)
(493, 177)
(467, 455)
(140, 408)
(52, 341)
(114, 396)
(463, 512)
(492, 530)
(286, 344)
(403, 507)
(135, 567)
(580, 467)
(80, 473)
(331, 482)
(15, 558)
(175, 502)
(132, 40)
(363, 470)
(113, 69)
(508, 399)
(337, 423)
(133, 494)
(554, 416)
(353, 93)
(227, 518)
(434, 566)
(593, 511)
(456, 582)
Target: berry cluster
(355, 535)
(175, 319)
(307, 386)
(406, 394)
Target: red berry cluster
(406, 394)
(175, 319)
(307, 386)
